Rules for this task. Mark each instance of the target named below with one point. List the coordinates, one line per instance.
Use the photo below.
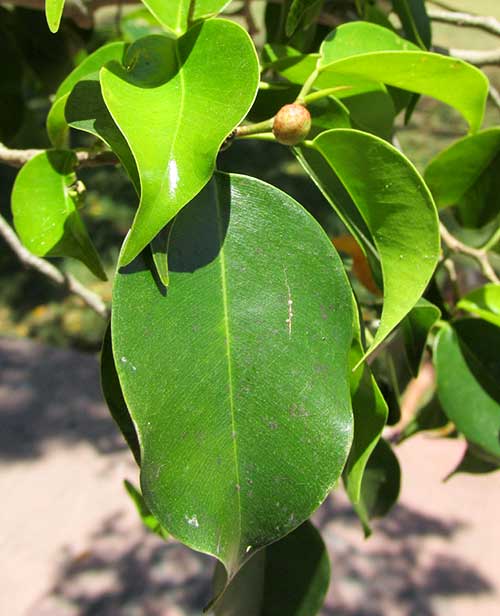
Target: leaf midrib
(222, 263)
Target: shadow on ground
(50, 395)
(138, 574)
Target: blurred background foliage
(30, 306)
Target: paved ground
(71, 545)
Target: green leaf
(466, 174)
(85, 110)
(380, 486)
(159, 252)
(297, 11)
(430, 417)
(484, 302)
(449, 80)
(91, 65)
(57, 126)
(190, 94)
(467, 382)
(243, 433)
(416, 327)
(146, 516)
(415, 21)
(475, 462)
(289, 577)
(44, 206)
(177, 16)
(370, 415)
(113, 395)
(53, 12)
(393, 212)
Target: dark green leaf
(243, 433)
(190, 94)
(380, 485)
(415, 21)
(297, 11)
(466, 174)
(113, 395)
(288, 577)
(370, 414)
(430, 417)
(416, 327)
(44, 205)
(475, 462)
(463, 396)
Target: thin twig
(485, 23)
(479, 254)
(85, 158)
(69, 282)
(477, 57)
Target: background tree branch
(85, 158)
(69, 282)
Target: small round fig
(292, 124)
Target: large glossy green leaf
(44, 206)
(415, 21)
(393, 212)
(467, 378)
(447, 79)
(190, 94)
(380, 486)
(236, 377)
(53, 13)
(370, 415)
(288, 577)
(113, 395)
(466, 174)
(484, 302)
(416, 327)
(176, 16)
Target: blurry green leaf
(415, 21)
(380, 486)
(463, 396)
(484, 302)
(467, 174)
(180, 89)
(146, 516)
(177, 16)
(288, 577)
(475, 462)
(429, 417)
(44, 206)
(395, 206)
(297, 11)
(238, 446)
(370, 414)
(447, 79)
(416, 327)
(53, 12)
(113, 395)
